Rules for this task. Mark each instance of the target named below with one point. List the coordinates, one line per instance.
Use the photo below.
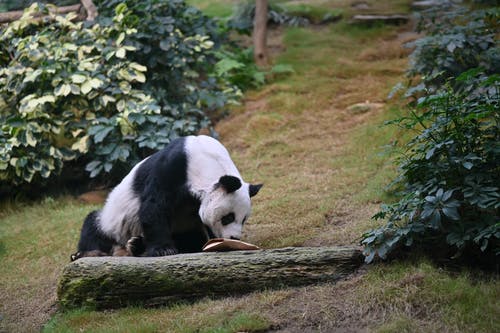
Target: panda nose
(232, 237)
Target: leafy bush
(238, 67)
(449, 176)
(8, 5)
(74, 92)
(175, 42)
(448, 198)
(454, 45)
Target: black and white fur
(171, 202)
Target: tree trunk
(260, 33)
(107, 282)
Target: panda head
(226, 207)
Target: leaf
(467, 165)
(101, 135)
(451, 212)
(106, 99)
(62, 90)
(78, 78)
(96, 171)
(96, 83)
(120, 38)
(30, 140)
(430, 153)
(226, 65)
(451, 47)
(92, 165)
(121, 53)
(81, 145)
(138, 67)
(86, 87)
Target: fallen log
(395, 19)
(110, 282)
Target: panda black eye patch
(227, 219)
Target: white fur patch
(208, 160)
(119, 217)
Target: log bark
(395, 19)
(109, 282)
(260, 33)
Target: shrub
(454, 45)
(175, 42)
(106, 94)
(449, 175)
(447, 187)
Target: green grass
(220, 8)
(182, 319)
(419, 297)
(324, 176)
(315, 14)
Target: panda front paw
(135, 246)
(160, 252)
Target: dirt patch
(27, 312)
(322, 308)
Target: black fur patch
(254, 189)
(92, 240)
(161, 184)
(229, 183)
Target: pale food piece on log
(224, 244)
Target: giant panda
(171, 202)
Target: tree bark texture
(109, 282)
(91, 9)
(260, 33)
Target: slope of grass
(324, 175)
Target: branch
(16, 14)
(88, 5)
(91, 9)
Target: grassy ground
(324, 177)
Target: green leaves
(105, 95)
(448, 176)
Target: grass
(324, 176)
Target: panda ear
(254, 189)
(229, 183)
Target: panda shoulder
(203, 144)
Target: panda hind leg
(93, 243)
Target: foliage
(314, 14)
(75, 92)
(448, 179)
(454, 45)
(449, 176)
(243, 16)
(238, 68)
(8, 5)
